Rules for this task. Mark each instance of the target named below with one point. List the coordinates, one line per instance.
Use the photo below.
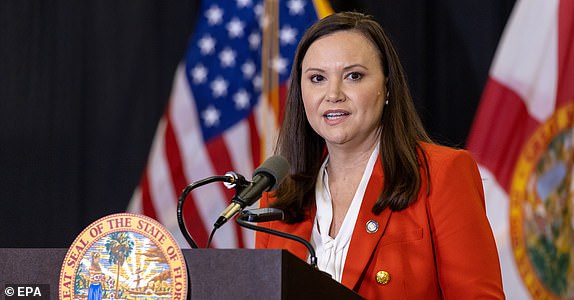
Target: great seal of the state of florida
(541, 208)
(124, 256)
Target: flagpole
(270, 102)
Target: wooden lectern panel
(258, 274)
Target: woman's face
(343, 89)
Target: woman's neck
(343, 159)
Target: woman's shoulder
(439, 155)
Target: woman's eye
(354, 75)
(317, 78)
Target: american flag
(223, 111)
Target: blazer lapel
(363, 242)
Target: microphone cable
(211, 237)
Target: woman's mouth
(335, 115)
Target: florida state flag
(523, 139)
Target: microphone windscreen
(276, 167)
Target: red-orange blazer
(440, 247)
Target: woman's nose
(334, 93)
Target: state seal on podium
(124, 256)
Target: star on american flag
(224, 64)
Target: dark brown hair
(401, 129)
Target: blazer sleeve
(465, 250)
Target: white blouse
(332, 252)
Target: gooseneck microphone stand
(273, 214)
(230, 179)
(246, 217)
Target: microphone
(266, 177)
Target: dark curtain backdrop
(84, 83)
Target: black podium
(213, 274)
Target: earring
(387, 101)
